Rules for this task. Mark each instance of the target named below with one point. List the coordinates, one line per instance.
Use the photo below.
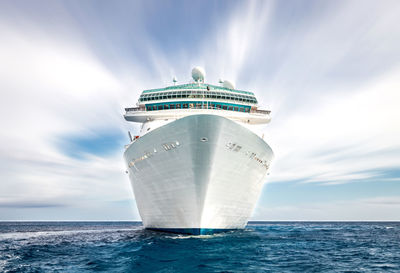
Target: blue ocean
(261, 247)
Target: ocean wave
(35, 234)
(287, 247)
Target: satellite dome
(229, 84)
(198, 74)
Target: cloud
(54, 88)
(341, 138)
(382, 201)
(381, 208)
(39, 204)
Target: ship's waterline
(201, 172)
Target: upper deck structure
(177, 101)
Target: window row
(197, 106)
(197, 94)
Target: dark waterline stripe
(191, 231)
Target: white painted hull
(200, 180)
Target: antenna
(130, 136)
(174, 80)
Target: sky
(328, 70)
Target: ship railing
(259, 111)
(252, 111)
(134, 109)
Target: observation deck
(177, 101)
(250, 115)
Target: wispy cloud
(341, 136)
(53, 89)
(367, 209)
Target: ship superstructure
(196, 167)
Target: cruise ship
(196, 166)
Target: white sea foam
(208, 236)
(35, 234)
(5, 260)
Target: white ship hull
(198, 174)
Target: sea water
(261, 247)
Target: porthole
(204, 139)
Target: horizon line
(252, 221)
